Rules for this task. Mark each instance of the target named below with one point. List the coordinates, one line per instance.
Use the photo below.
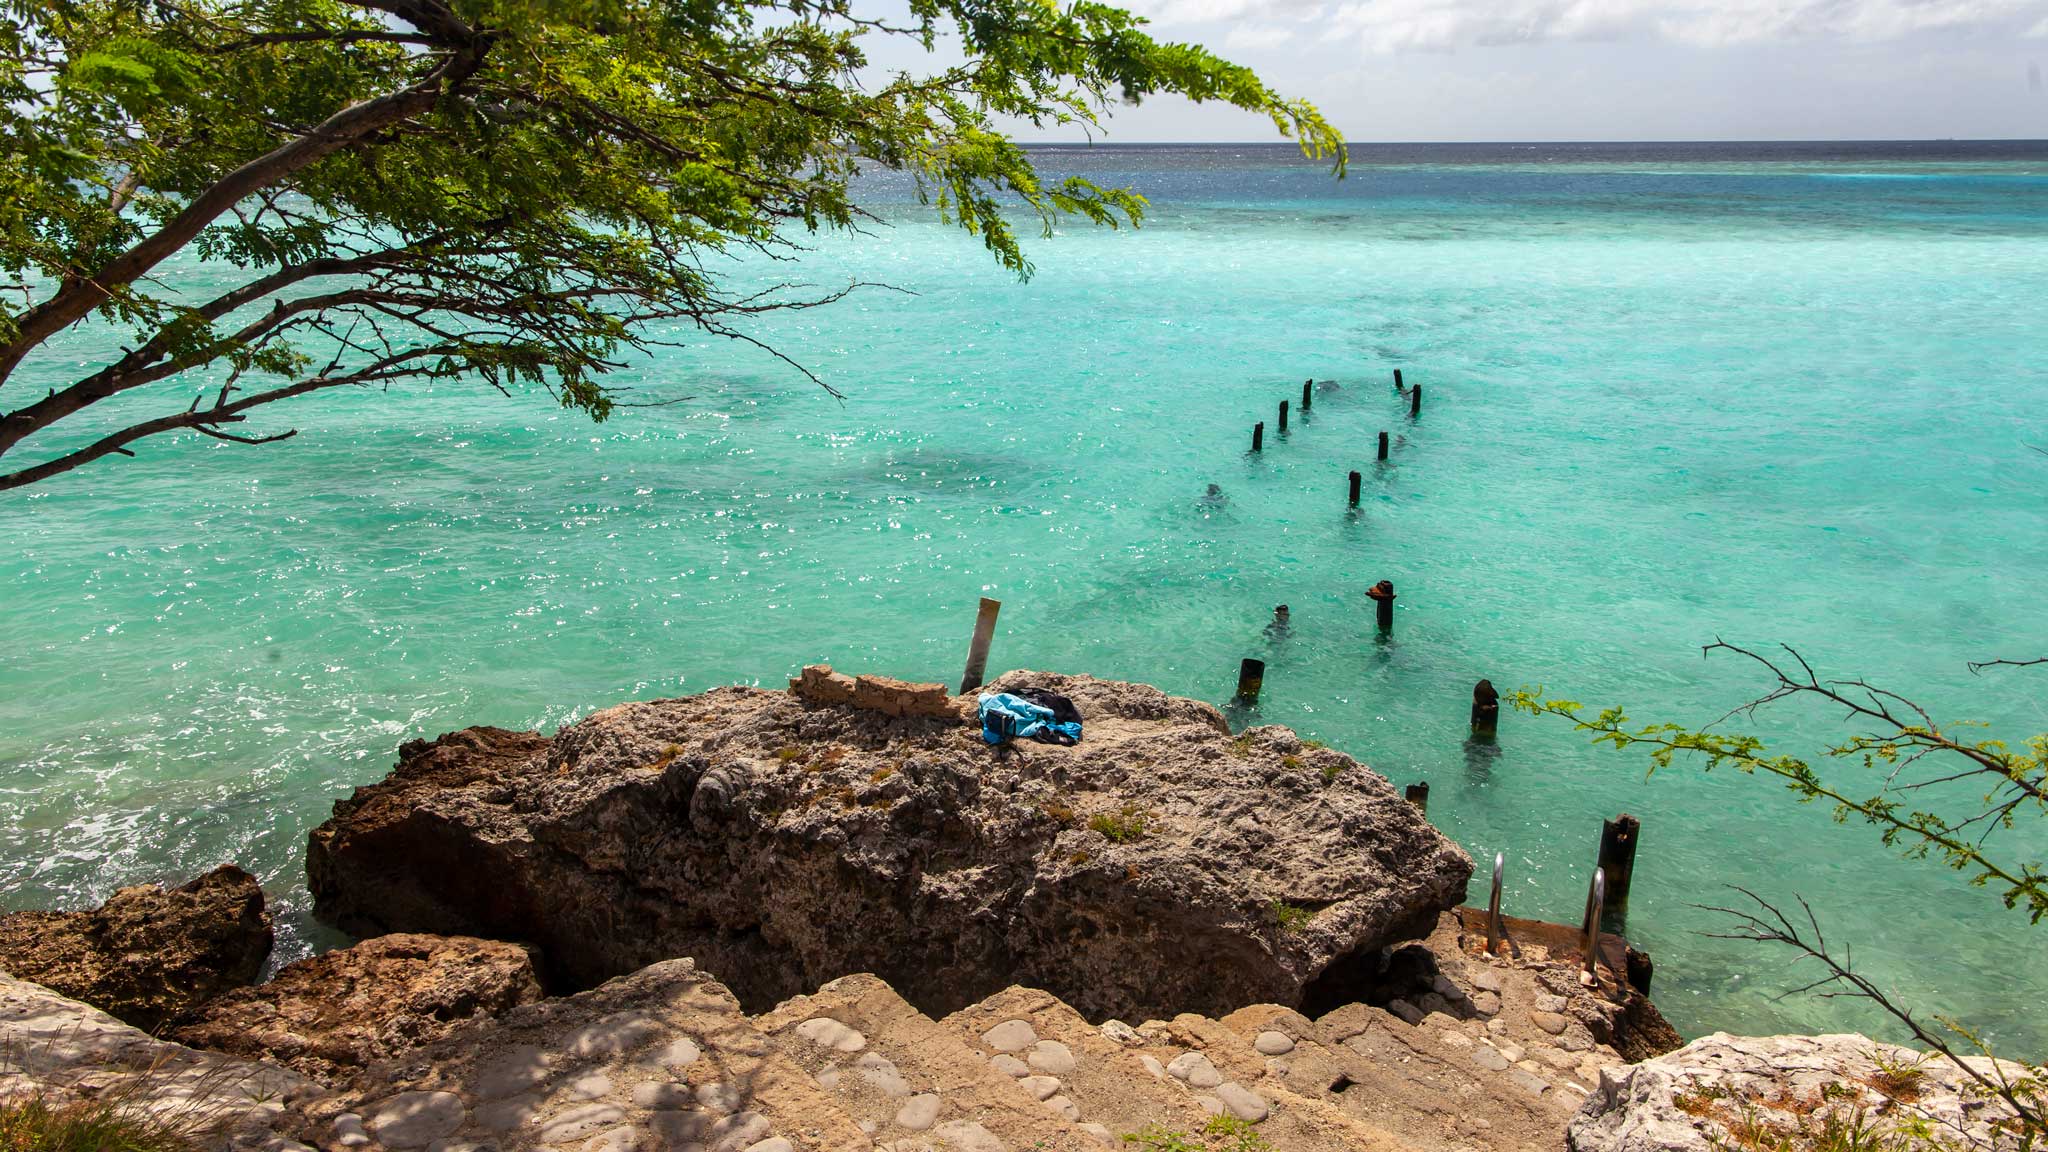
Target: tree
(1937, 795)
(516, 191)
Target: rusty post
(977, 649)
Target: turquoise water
(1670, 394)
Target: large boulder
(149, 954)
(1723, 1091)
(1159, 866)
(335, 1014)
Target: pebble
(967, 1136)
(1212, 1105)
(1009, 1065)
(772, 1144)
(1042, 1087)
(506, 1115)
(1447, 988)
(1576, 1040)
(1099, 1132)
(1153, 1065)
(582, 1120)
(1064, 1108)
(1484, 979)
(1051, 1056)
(678, 1053)
(1528, 1082)
(881, 1072)
(1455, 1039)
(1486, 1003)
(1497, 1027)
(590, 1086)
(919, 1112)
(624, 1138)
(1405, 1011)
(517, 1070)
(1513, 1052)
(1010, 1036)
(1121, 1033)
(1550, 1002)
(1243, 1103)
(718, 1097)
(1550, 1022)
(416, 1119)
(827, 1078)
(1491, 1058)
(826, 1032)
(739, 1130)
(662, 1097)
(1271, 1043)
(612, 1035)
(348, 1131)
(1195, 1068)
(678, 1129)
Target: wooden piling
(1596, 899)
(1283, 415)
(1486, 711)
(1618, 857)
(1356, 480)
(1251, 676)
(1306, 398)
(1259, 436)
(977, 649)
(1398, 386)
(1418, 795)
(1415, 400)
(1383, 445)
(1383, 594)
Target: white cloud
(1437, 25)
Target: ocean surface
(1769, 393)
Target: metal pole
(1493, 932)
(1596, 896)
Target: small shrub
(1059, 812)
(789, 753)
(1313, 745)
(1291, 762)
(1080, 858)
(1898, 1077)
(1292, 917)
(1698, 1100)
(1222, 1133)
(881, 774)
(1242, 745)
(1121, 827)
(1331, 771)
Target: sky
(1500, 70)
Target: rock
(967, 1136)
(1728, 1080)
(1513, 1052)
(1528, 1081)
(829, 1033)
(819, 685)
(1063, 1107)
(1486, 1003)
(1050, 1057)
(1042, 1087)
(919, 1112)
(1011, 1036)
(1550, 1022)
(1009, 1065)
(1100, 1132)
(1490, 1058)
(896, 844)
(1271, 1043)
(1153, 1066)
(1243, 1103)
(881, 1073)
(1119, 1032)
(149, 954)
(416, 1119)
(330, 1015)
(1194, 1067)
(1484, 979)
(1407, 1012)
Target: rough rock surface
(148, 954)
(69, 1051)
(1689, 1100)
(332, 1015)
(1159, 865)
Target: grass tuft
(1121, 827)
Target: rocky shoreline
(836, 918)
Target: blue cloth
(1004, 716)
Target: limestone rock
(1686, 1101)
(149, 954)
(900, 845)
(331, 1015)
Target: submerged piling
(1306, 386)
(977, 649)
(1283, 415)
(1418, 795)
(1383, 595)
(1251, 676)
(1398, 386)
(1356, 480)
(1486, 711)
(1383, 445)
(1259, 436)
(1415, 400)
